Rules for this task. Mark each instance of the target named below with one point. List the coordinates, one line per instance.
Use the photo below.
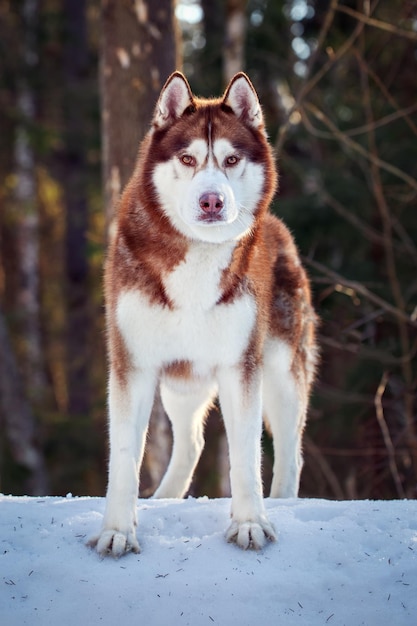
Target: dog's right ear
(175, 98)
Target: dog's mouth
(210, 218)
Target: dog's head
(209, 161)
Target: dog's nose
(211, 203)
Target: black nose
(211, 203)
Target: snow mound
(337, 563)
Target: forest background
(78, 83)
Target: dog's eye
(231, 160)
(188, 160)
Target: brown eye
(188, 160)
(231, 160)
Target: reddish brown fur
(266, 264)
(178, 369)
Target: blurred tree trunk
(22, 379)
(19, 421)
(74, 183)
(10, 36)
(139, 51)
(234, 48)
(25, 196)
(208, 78)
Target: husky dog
(206, 296)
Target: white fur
(285, 405)
(187, 412)
(197, 330)
(129, 409)
(213, 337)
(180, 188)
(283, 402)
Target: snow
(337, 563)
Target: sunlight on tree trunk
(139, 51)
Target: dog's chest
(196, 327)
(196, 282)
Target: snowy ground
(335, 563)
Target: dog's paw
(114, 543)
(251, 534)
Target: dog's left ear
(241, 97)
(175, 98)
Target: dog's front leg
(241, 405)
(130, 404)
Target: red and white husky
(206, 296)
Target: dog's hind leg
(187, 413)
(284, 407)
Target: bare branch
(360, 130)
(382, 87)
(386, 435)
(390, 262)
(368, 232)
(362, 351)
(407, 242)
(341, 136)
(370, 21)
(361, 289)
(325, 467)
(312, 82)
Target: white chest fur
(196, 329)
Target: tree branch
(361, 289)
(325, 467)
(391, 266)
(341, 136)
(370, 21)
(386, 435)
(362, 351)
